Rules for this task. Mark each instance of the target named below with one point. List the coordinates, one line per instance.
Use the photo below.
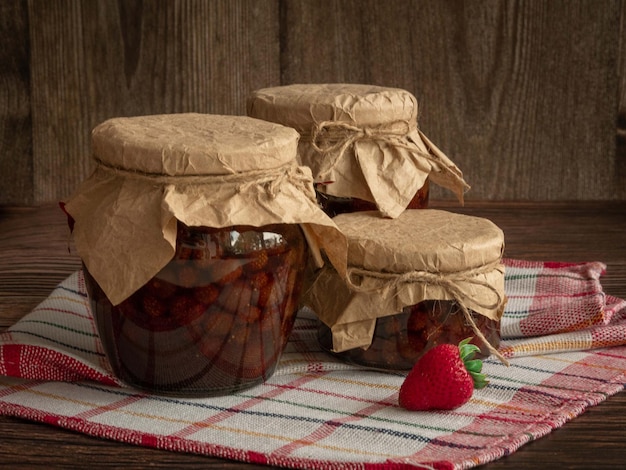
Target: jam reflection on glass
(212, 321)
(334, 205)
(400, 339)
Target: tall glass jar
(215, 318)
(192, 234)
(362, 144)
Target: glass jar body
(334, 205)
(400, 339)
(215, 319)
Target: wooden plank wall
(528, 97)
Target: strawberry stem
(473, 366)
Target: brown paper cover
(363, 139)
(394, 263)
(204, 170)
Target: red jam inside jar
(215, 319)
(335, 205)
(399, 340)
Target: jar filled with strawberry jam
(425, 278)
(193, 233)
(362, 144)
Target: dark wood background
(528, 97)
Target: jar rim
(301, 106)
(428, 240)
(189, 144)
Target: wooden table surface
(36, 254)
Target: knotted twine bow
(270, 179)
(449, 282)
(333, 138)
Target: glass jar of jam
(362, 144)
(425, 278)
(193, 231)
(216, 317)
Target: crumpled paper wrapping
(424, 254)
(209, 170)
(361, 141)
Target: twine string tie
(272, 180)
(332, 139)
(449, 282)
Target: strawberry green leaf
(467, 350)
(480, 381)
(473, 366)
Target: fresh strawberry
(444, 378)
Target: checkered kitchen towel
(316, 412)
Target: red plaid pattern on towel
(316, 412)
(555, 307)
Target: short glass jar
(216, 317)
(194, 235)
(424, 278)
(362, 144)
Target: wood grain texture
(36, 254)
(528, 97)
(34, 258)
(620, 140)
(96, 60)
(16, 154)
(518, 94)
